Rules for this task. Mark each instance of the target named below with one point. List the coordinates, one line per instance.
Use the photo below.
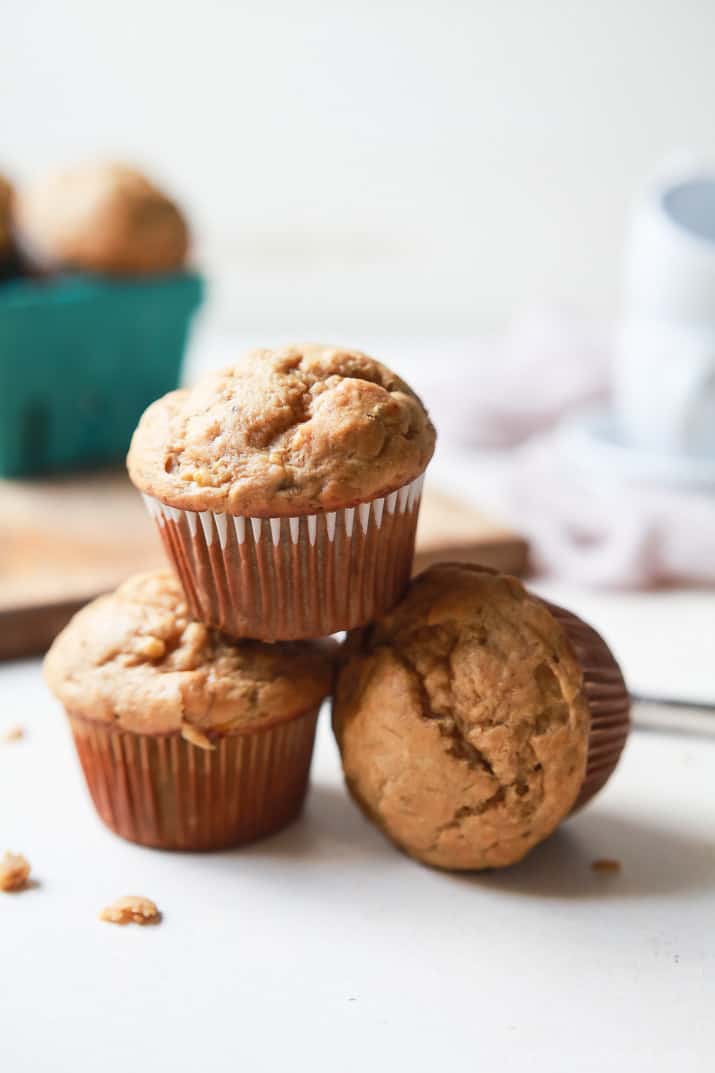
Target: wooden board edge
(29, 631)
(509, 556)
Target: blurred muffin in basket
(5, 215)
(103, 218)
(7, 244)
(187, 740)
(85, 347)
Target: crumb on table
(13, 734)
(131, 909)
(14, 872)
(606, 864)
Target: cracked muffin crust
(462, 721)
(297, 430)
(101, 217)
(134, 659)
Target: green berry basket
(80, 359)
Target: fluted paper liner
(281, 579)
(608, 702)
(160, 790)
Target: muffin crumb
(131, 909)
(13, 734)
(605, 865)
(14, 872)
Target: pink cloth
(608, 533)
(502, 391)
(599, 528)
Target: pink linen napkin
(605, 532)
(599, 528)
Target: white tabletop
(324, 949)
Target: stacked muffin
(286, 490)
(471, 717)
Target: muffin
(7, 245)
(474, 718)
(187, 741)
(104, 218)
(286, 489)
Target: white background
(408, 165)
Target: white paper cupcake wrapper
(216, 526)
(293, 577)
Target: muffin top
(289, 431)
(134, 658)
(101, 217)
(6, 196)
(462, 720)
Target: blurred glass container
(664, 378)
(80, 359)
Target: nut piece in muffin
(105, 218)
(187, 741)
(462, 720)
(292, 431)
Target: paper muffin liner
(608, 702)
(282, 579)
(160, 790)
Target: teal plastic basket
(80, 359)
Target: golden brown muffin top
(288, 431)
(6, 196)
(101, 217)
(462, 721)
(135, 659)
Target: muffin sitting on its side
(100, 218)
(187, 741)
(473, 718)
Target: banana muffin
(8, 253)
(187, 740)
(5, 218)
(104, 218)
(287, 488)
(473, 718)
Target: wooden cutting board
(64, 541)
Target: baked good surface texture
(133, 658)
(6, 195)
(462, 720)
(291, 431)
(101, 217)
